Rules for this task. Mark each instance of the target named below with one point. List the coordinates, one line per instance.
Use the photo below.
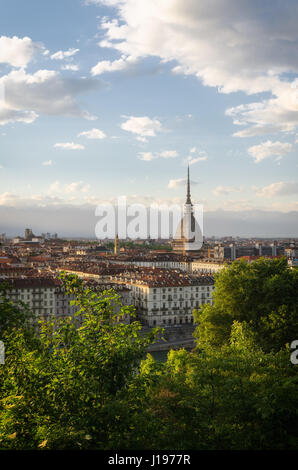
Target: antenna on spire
(188, 200)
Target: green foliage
(83, 383)
(12, 315)
(234, 397)
(65, 392)
(263, 293)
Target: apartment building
(46, 297)
(166, 297)
(207, 266)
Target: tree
(66, 391)
(233, 397)
(264, 294)
(84, 384)
(12, 315)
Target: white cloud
(269, 149)
(113, 66)
(17, 52)
(277, 114)
(101, 2)
(11, 115)
(199, 34)
(180, 182)
(55, 187)
(195, 156)
(149, 156)
(146, 156)
(225, 190)
(277, 189)
(43, 92)
(142, 126)
(72, 67)
(60, 55)
(93, 134)
(89, 116)
(69, 146)
(193, 160)
(9, 199)
(58, 195)
(76, 187)
(142, 139)
(177, 183)
(231, 45)
(168, 154)
(47, 163)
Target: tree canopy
(86, 383)
(264, 294)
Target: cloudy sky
(105, 98)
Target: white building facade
(170, 305)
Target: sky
(108, 98)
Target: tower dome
(188, 236)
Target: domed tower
(188, 238)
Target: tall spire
(188, 200)
(116, 245)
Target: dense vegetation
(88, 387)
(264, 294)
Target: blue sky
(104, 98)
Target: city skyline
(123, 95)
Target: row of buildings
(164, 286)
(47, 299)
(161, 296)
